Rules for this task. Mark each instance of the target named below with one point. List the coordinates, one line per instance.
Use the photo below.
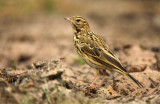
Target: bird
(94, 51)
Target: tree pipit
(94, 51)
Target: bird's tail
(134, 80)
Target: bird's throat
(77, 30)
(80, 30)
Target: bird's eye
(78, 20)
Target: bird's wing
(95, 50)
(101, 56)
(101, 44)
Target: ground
(39, 65)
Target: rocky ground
(51, 82)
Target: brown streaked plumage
(94, 51)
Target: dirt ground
(39, 65)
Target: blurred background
(33, 30)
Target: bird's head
(79, 24)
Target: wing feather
(103, 57)
(97, 51)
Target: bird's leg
(97, 76)
(104, 74)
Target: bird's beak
(68, 19)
